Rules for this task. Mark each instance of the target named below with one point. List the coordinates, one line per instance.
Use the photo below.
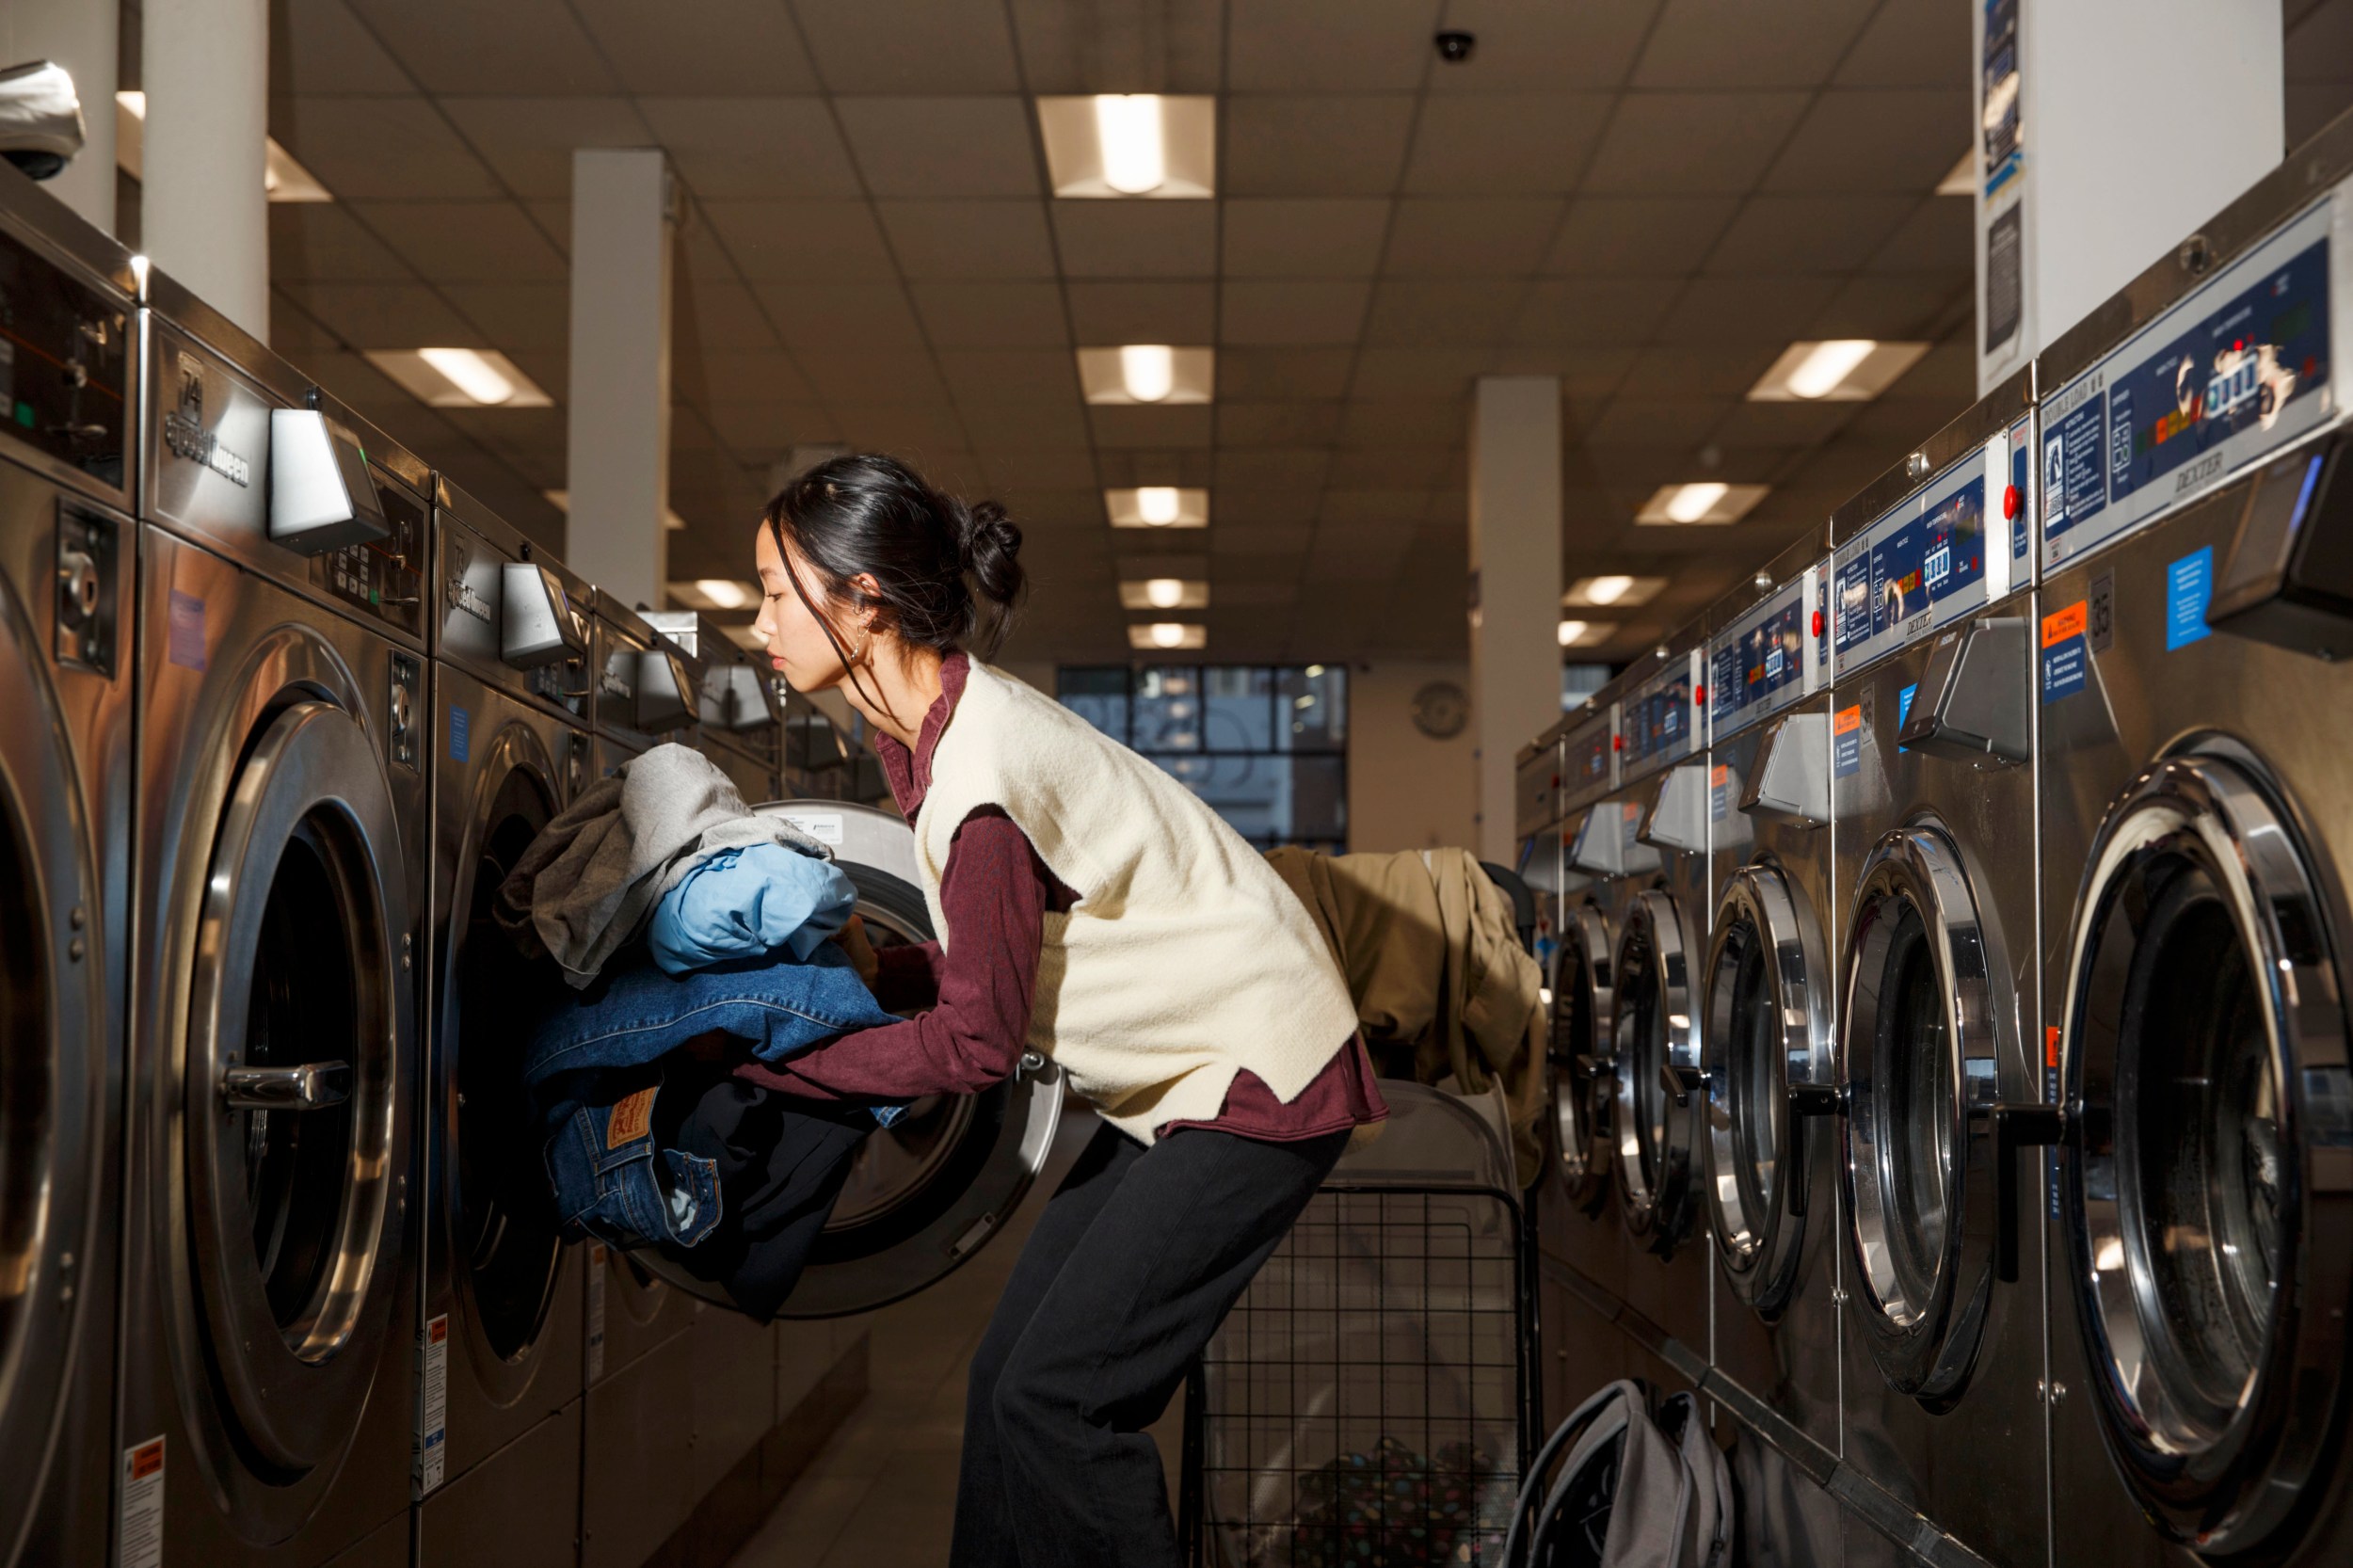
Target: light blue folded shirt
(746, 904)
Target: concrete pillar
(79, 35)
(1515, 584)
(203, 212)
(624, 214)
(2136, 121)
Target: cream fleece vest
(1185, 958)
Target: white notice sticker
(596, 1310)
(432, 1445)
(139, 1530)
(823, 826)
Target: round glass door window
(1654, 1119)
(2206, 1064)
(1581, 998)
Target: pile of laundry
(1392, 1507)
(689, 931)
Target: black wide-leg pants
(1134, 1262)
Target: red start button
(1818, 623)
(2010, 501)
(1617, 743)
(1699, 696)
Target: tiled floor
(883, 1490)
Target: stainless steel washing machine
(1584, 1229)
(1656, 1118)
(2197, 831)
(647, 687)
(268, 1291)
(738, 719)
(1932, 799)
(501, 1352)
(1766, 990)
(67, 555)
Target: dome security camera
(1455, 47)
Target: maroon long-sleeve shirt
(975, 998)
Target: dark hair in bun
(947, 574)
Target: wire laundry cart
(1369, 1402)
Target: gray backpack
(1635, 1489)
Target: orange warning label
(2050, 1045)
(2059, 625)
(436, 1331)
(146, 1459)
(1720, 775)
(1847, 720)
(632, 1120)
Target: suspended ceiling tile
(1807, 233)
(1417, 469)
(300, 336)
(1335, 146)
(1188, 425)
(2312, 106)
(381, 149)
(529, 141)
(1586, 371)
(467, 242)
(1293, 424)
(917, 431)
(841, 318)
(1738, 44)
(1783, 425)
(1900, 308)
(797, 242)
(1948, 371)
(1059, 425)
(1901, 139)
(1274, 595)
(1593, 310)
(349, 376)
(1137, 239)
(1912, 46)
(1290, 372)
(1431, 371)
(1746, 309)
(1516, 144)
(1691, 143)
(1171, 313)
(1033, 507)
(950, 147)
(1330, 45)
(1645, 421)
(459, 46)
(971, 239)
(1542, 46)
(1010, 376)
(1169, 46)
(320, 47)
(1329, 238)
(758, 376)
(1285, 541)
(992, 315)
(853, 376)
(1186, 467)
(1021, 470)
(1639, 234)
(1427, 422)
(1294, 310)
(909, 46)
(755, 149)
(1936, 238)
(719, 315)
(727, 47)
(1439, 313)
(519, 318)
(1448, 238)
(323, 241)
(1272, 471)
(386, 315)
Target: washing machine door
(1765, 1043)
(1654, 1121)
(53, 1057)
(2206, 1188)
(294, 1135)
(1922, 1066)
(504, 1248)
(929, 1191)
(1580, 1074)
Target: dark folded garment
(781, 1163)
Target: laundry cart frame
(1417, 1259)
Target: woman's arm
(996, 892)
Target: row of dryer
(1951, 952)
(280, 706)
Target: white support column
(203, 211)
(624, 214)
(2136, 121)
(81, 35)
(1515, 577)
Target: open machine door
(1655, 1122)
(1579, 1075)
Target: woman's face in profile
(796, 643)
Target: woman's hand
(851, 940)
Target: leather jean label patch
(632, 1120)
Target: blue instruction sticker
(185, 645)
(1903, 704)
(2065, 659)
(458, 724)
(2189, 587)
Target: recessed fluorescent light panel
(1157, 506)
(1709, 502)
(714, 593)
(282, 177)
(1163, 636)
(1122, 146)
(1147, 373)
(1962, 178)
(1164, 593)
(459, 377)
(1614, 591)
(1837, 369)
(1586, 633)
(561, 502)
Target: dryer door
(1767, 1044)
(1581, 995)
(1922, 1077)
(294, 1133)
(2204, 1184)
(928, 1191)
(1655, 1119)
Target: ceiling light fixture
(1571, 631)
(1616, 590)
(561, 502)
(1148, 371)
(1135, 157)
(1158, 504)
(1608, 590)
(1168, 633)
(1961, 179)
(1160, 635)
(1691, 503)
(1706, 501)
(1819, 372)
(459, 377)
(1837, 369)
(723, 593)
(470, 374)
(283, 180)
(1166, 593)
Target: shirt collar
(909, 772)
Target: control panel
(1660, 718)
(65, 364)
(1770, 657)
(382, 579)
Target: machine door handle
(1680, 1083)
(2016, 1130)
(310, 1086)
(1817, 1100)
(1807, 1101)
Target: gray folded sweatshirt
(590, 881)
